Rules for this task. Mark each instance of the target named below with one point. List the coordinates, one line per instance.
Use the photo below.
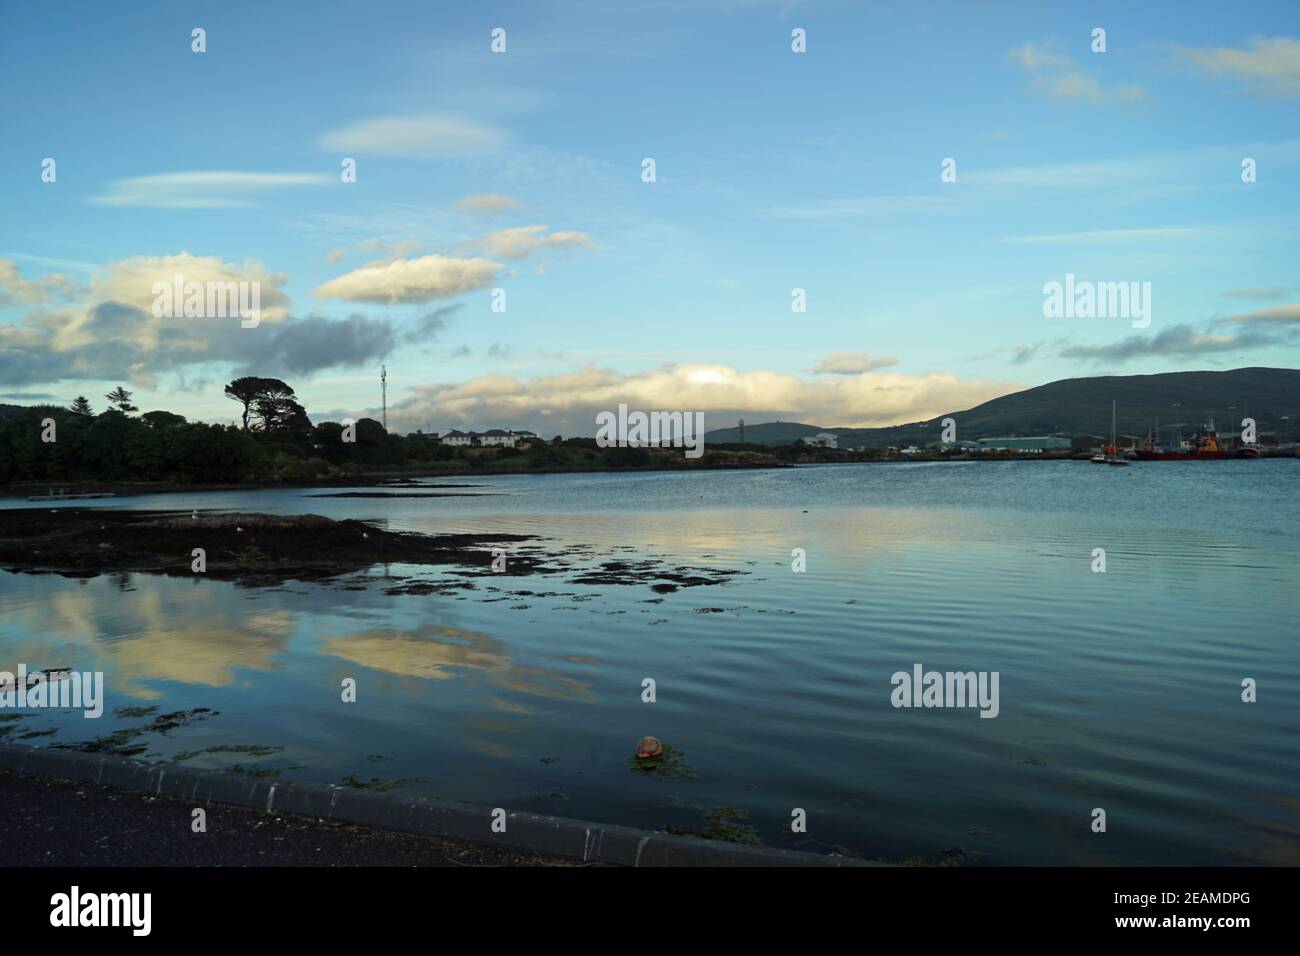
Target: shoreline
(525, 834)
(19, 491)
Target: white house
(496, 437)
(454, 437)
(823, 440)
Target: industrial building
(1028, 443)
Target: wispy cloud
(852, 363)
(488, 204)
(1270, 66)
(1109, 236)
(1020, 354)
(854, 207)
(1279, 314)
(431, 137)
(1060, 78)
(521, 241)
(202, 190)
(411, 280)
(1267, 292)
(1177, 341)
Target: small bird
(364, 535)
(238, 528)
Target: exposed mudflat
(256, 549)
(269, 548)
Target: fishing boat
(1205, 447)
(1113, 456)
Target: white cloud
(112, 334)
(1060, 78)
(521, 241)
(411, 280)
(1109, 236)
(434, 137)
(1038, 56)
(16, 290)
(853, 207)
(1281, 313)
(852, 363)
(488, 203)
(130, 281)
(568, 402)
(202, 190)
(1270, 67)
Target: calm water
(1118, 690)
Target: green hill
(766, 433)
(1079, 406)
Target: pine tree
(81, 406)
(122, 399)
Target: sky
(524, 171)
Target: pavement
(48, 822)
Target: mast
(383, 386)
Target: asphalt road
(56, 823)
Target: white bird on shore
(238, 528)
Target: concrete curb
(555, 836)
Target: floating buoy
(648, 747)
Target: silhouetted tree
(251, 389)
(122, 399)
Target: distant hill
(7, 410)
(1081, 406)
(767, 433)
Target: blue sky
(775, 170)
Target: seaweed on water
(665, 764)
(252, 750)
(727, 824)
(133, 712)
(263, 772)
(376, 783)
(121, 742)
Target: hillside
(1077, 406)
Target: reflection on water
(1118, 690)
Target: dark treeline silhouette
(276, 441)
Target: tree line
(274, 439)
